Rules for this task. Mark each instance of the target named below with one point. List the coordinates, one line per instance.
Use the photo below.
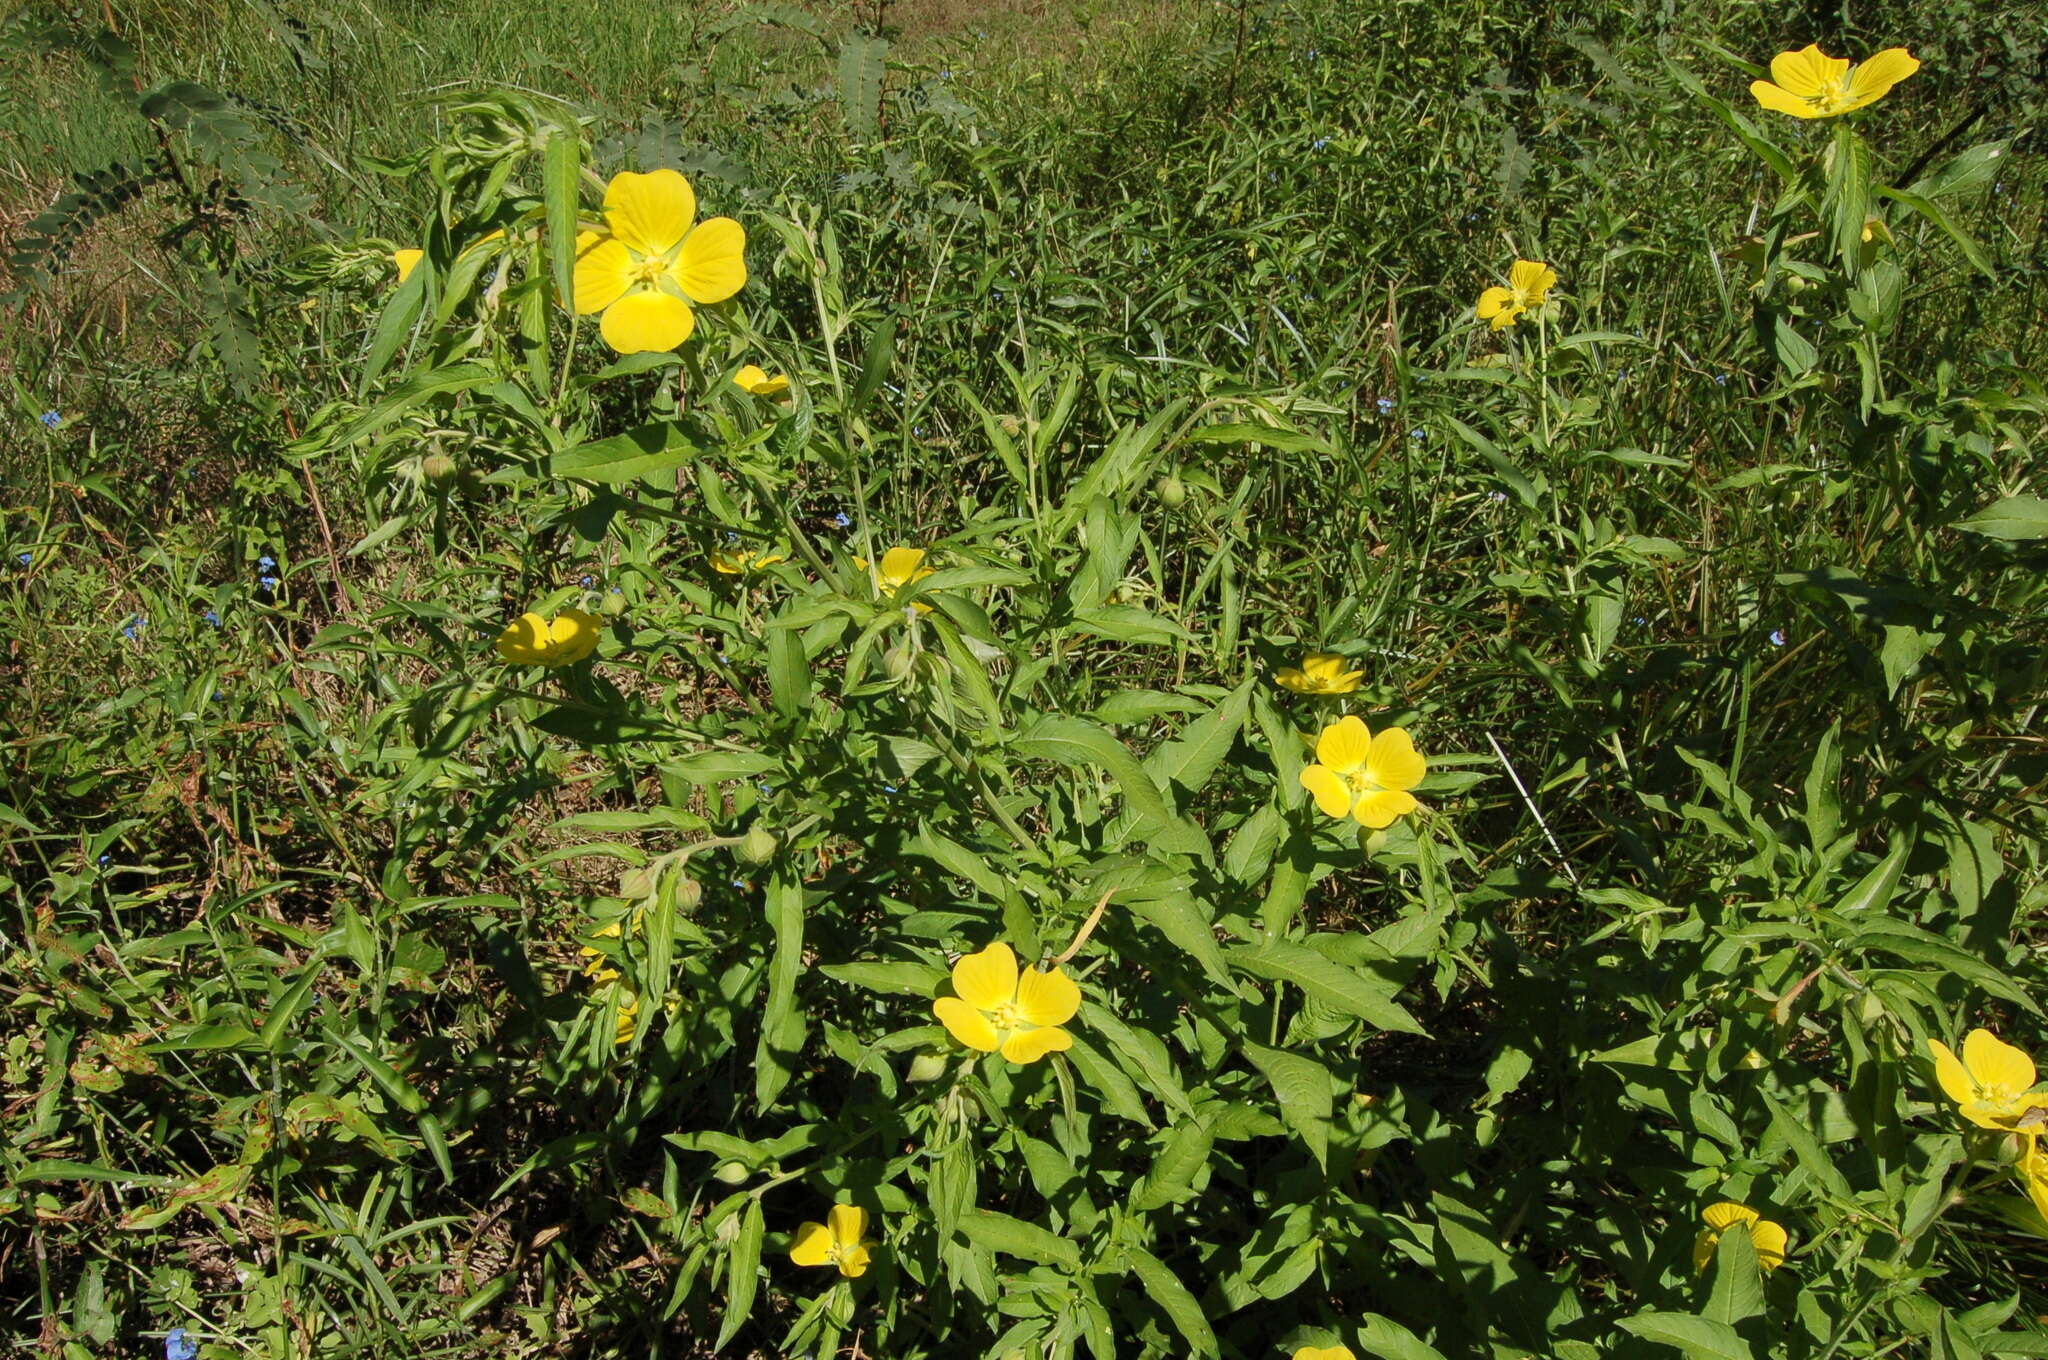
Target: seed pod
(636, 883)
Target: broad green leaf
(782, 1024)
(1304, 1089)
(1182, 766)
(1326, 980)
(1164, 1288)
(901, 978)
(1015, 1237)
(1700, 1338)
(561, 173)
(742, 1272)
(2015, 519)
(623, 458)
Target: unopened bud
(636, 883)
(898, 662)
(439, 469)
(689, 892)
(733, 1173)
(926, 1067)
(759, 846)
(1173, 492)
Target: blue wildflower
(133, 628)
(840, 521)
(211, 617)
(24, 558)
(1319, 143)
(1386, 405)
(51, 420)
(1415, 433)
(588, 581)
(267, 582)
(1777, 638)
(266, 561)
(178, 1345)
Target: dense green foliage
(367, 994)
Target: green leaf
(1119, 1094)
(1015, 1237)
(1172, 1175)
(1875, 888)
(742, 1272)
(1080, 744)
(2015, 519)
(1326, 980)
(561, 173)
(863, 66)
(1305, 1090)
(1737, 1291)
(1164, 1288)
(420, 387)
(782, 1024)
(1267, 436)
(1182, 766)
(1388, 1339)
(277, 1033)
(1935, 213)
(659, 447)
(899, 978)
(1700, 1338)
(1143, 1054)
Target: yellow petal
(1331, 793)
(1780, 100)
(1383, 807)
(1531, 278)
(812, 1245)
(1703, 1248)
(645, 320)
(731, 563)
(1950, 1073)
(1770, 1240)
(651, 213)
(1392, 762)
(573, 636)
(853, 1262)
(713, 263)
(750, 377)
(774, 386)
(1874, 79)
(966, 1023)
(524, 638)
(1726, 1215)
(1807, 72)
(1029, 1045)
(988, 979)
(1492, 301)
(1047, 998)
(604, 271)
(900, 566)
(1290, 678)
(1344, 745)
(1993, 1062)
(406, 261)
(1324, 1353)
(849, 1225)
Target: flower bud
(898, 662)
(759, 846)
(1173, 492)
(636, 883)
(439, 470)
(689, 892)
(733, 1173)
(926, 1067)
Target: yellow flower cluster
(1992, 1084)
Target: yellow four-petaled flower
(653, 260)
(1811, 84)
(999, 1009)
(1529, 283)
(900, 567)
(1991, 1083)
(839, 1241)
(1319, 673)
(740, 561)
(1768, 1238)
(531, 640)
(1360, 775)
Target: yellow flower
(1324, 1353)
(2034, 1170)
(740, 561)
(839, 1241)
(406, 261)
(1529, 282)
(597, 965)
(900, 567)
(1320, 673)
(651, 262)
(533, 641)
(1767, 1237)
(753, 378)
(629, 1015)
(1811, 85)
(1001, 1008)
(1990, 1082)
(1360, 775)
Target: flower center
(650, 270)
(1833, 96)
(1006, 1016)
(1360, 783)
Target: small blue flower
(180, 1346)
(106, 859)
(24, 558)
(840, 521)
(1386, 405)
(889, 788)
(1415, 433)
(267, 582)
(51, 420)
(133, 628)
(211, 617)
(588, 581)
(1319, 143)
(266, 561)
(1777, 638)
(1721, 379)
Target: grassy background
(1079, 214)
